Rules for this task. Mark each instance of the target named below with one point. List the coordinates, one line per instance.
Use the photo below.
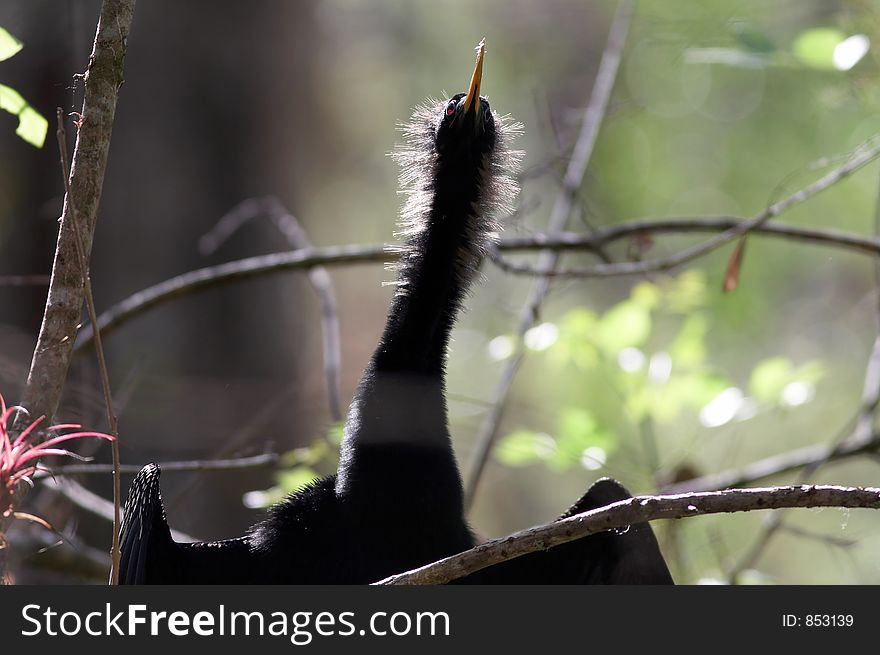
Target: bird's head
(467, 127)
(455, 161)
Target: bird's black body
(396, 500)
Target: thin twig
(203, 278)
(649, 227)
(859, 158)
(99, 350)
(254, 461)
(24, 280)
(319, 278)
(828, 539)
(776, 465)
(92, 502)
(559, 215)
(62, 553)
(628, 512)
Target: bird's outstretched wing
(630, 556)
(145, 540)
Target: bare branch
(776, 465)
(203, 278)
(858, 159)
(634, 510)
(24, 280)
(255, 461)
(194, 281)
(559, 215)
(92, 502)
(574, 241)
(62, 553)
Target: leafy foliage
(32, 126)
(651, 349)
(300, 467)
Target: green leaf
(32, 127)
(9, 45)
(811, 372)
(577, 329)
(578, 430)
(688, 350)
(336, 432)
(296, 478)
(522, 447)
(815, 47)
(687, 292)
(624, 325)
(11, 100)
(769, 377)
(697, 389)
(646, 294)
(752, 38)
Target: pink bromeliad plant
(19, 459)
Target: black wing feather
(145, 540)
(629, 556)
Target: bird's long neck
(435, 273)
(400, 409)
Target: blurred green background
(720, 108)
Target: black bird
(395, 502)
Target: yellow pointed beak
(473, 96)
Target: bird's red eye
(450, 108)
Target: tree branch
(92, 502)
(64, 303)
(255, 461)
(776, 465)
(862, 156)
(192, 282)
(627, 512)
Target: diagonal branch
(859, 158)
(634, 510)
(769, 467)
(242, 269)
(92, 502)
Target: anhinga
(395, 502)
